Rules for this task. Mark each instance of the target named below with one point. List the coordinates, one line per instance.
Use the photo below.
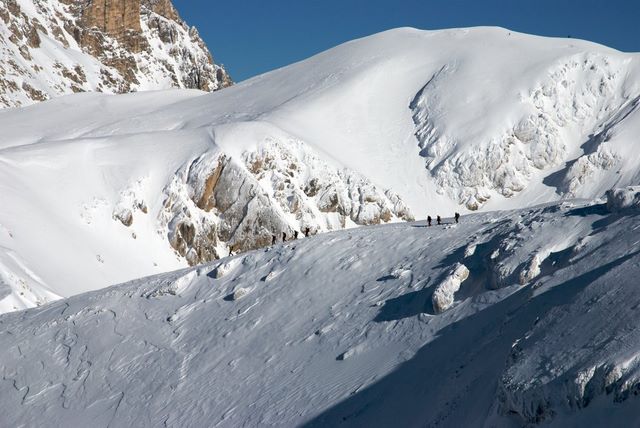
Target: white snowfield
(340, 330)
(100, 189)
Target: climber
(439, 220)
(295, 234)
(429, 220)
(284, 237)
(457, 217)
(306, 232)
(273, 239)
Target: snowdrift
(340, 329)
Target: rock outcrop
(64, 46)
(623, 199)
(218, 204)
(585, 91)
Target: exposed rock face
(113, 17)
(585, 90)
(163, 8)
(65, 46)
(624, 199)
(219, 204)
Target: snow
(391, 127)
(480, 86)
(522, 313)
(339, 329)
(444, 293)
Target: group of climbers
(439, 219)
(274, 239)
(307, 230)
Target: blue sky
(251, 37)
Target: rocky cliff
(63, 46)
(282, 190)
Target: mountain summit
(64, 46)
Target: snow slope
(102, 189)
(341, 329)
(127, 205)
(494, 112)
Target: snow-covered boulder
(239, 293)
(444, 294)
(627, 198)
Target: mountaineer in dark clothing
(273, 239)
(428, 220)
(284, 237)
(306, 232)
(439, 220)
(457, 217)
(295, 234)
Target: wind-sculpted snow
(444, 293)
(339, 329)
(508, 318)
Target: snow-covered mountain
(55, 47)
(101, 189)
(522, 314)
(373, 326)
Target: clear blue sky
(251, 37)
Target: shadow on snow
(408, 396)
